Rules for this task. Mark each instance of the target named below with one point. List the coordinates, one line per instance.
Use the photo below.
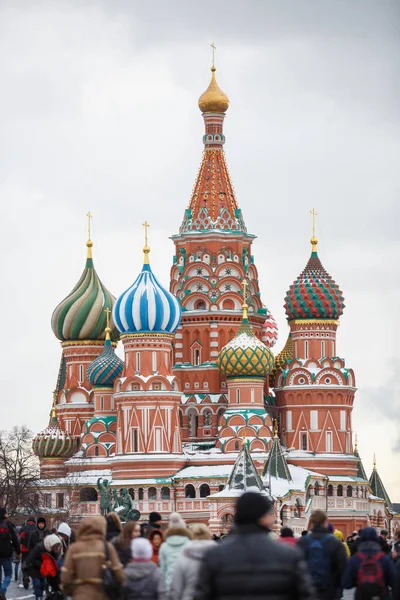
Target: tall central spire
(213, 205)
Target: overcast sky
(98, 110)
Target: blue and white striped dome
(146, 306)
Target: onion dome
(81, 316)
(285, 354)
(105, 369)
(147, 306)
(53, 442)
(245, 355)
(213, 99)
(314, 294)
(270, 331)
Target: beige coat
(82, 572)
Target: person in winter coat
(156, 538)
(339, 535)
(24, 538)
(369, 549)
(38, 536)
(123, 542)
(187, 567)
(287, 536)
(175, 538)
(82, 571)
(153, 523)
(114, 526)
(8, 544)
(64, 532)
(383, 542)
(144, 579)
(42, 564)
(249, 565)
(326, 557)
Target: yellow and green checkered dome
(245, 355)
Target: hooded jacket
(174, 541)
(43, 563)
(38, 535)
(144, 580)
(82, 571)
(250, 565)
(369, 545)
(187, 569)
(339, 535)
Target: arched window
(190, 492)
(304, 441)
(96, 450)
(236, 445)
(237, 395)
(204, 490)
(196, 357)
(308, 493)
(81, 373)
(297, 509)
(181, 419)
(193, 422)
(152, 493)
(200, 305)
(340, 490)
(349, 491)
(228, 304)
(165, 493)
(88, 494)
(330, 490)
(140, 493)
(207, 417)
(220, 414)
(131, 492)
(316, 489)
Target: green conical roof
(276, 464)
(360, 467)
(244, 473)
(378, 489)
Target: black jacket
(25, 535)
(338, 559)
(8, 539)
(252, 565)
(37, 537)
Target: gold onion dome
(54, 442)
(213, 99)
(245, 355)
(285, 354)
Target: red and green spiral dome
(314, 294)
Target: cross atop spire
(313, 240)
(146, 248)
(214, 47)
(89, 242)
(245, 306)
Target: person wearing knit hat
(42, 565)
(250, 564)
(175, 539)
(144, 579)
(38, 535)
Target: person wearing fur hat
(144, 579)
(42, 564)
(250, 565)
(187, 567)
(40, 533)
(175, 539)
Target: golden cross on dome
(146, 248)
(356, 444)
(89, 242)
(374, 462)
(54, 407)
(245, 306)
(214, 47)
(314, 214)
(89, 216)
(276, 428)
(108, 312)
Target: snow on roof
(214, 398)
(346, 478)
(235, 493)
(204, 471)
(304, 454)
(280, 487)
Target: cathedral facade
(200, 409)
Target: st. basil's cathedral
(199, 409)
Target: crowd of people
(106, 560)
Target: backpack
(25, 538)
(319, 563)
(6, 547)
(370, 577)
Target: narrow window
(81, 376)
(343, 420)
(112, 403)
(289, 420)
(137, 362)
(314, 420)
(196, 360)
(329, 441)
(306, 349)
(158, 439)
(135, 440)
(322, 349)
(96, 450)
(237, 395)
(154, 360)
(252, 395)
(101, 402)
(304, 441)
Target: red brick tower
(212, 256)
(314, 389)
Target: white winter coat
(174, 541)
(186, 571)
